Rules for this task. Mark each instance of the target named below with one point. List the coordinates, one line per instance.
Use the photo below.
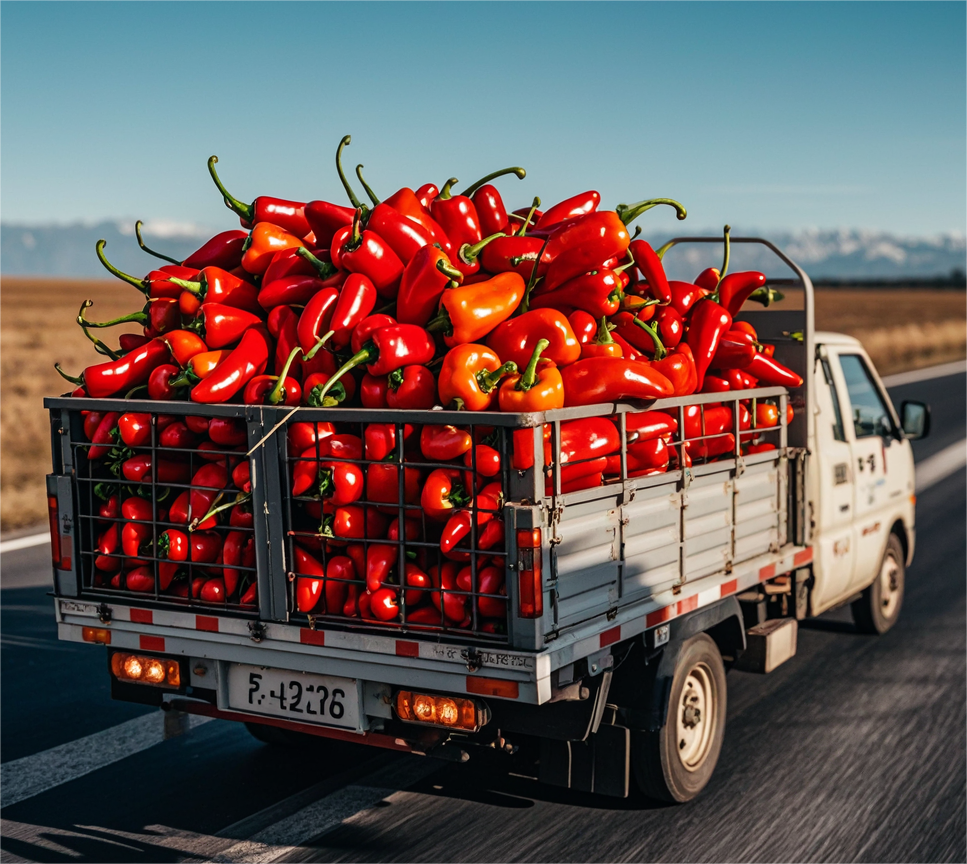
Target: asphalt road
(852, 751)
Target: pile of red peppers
(429, 297)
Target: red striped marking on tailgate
(142, 616)
(729, 587)
(407, 649)
(803, 557)
(767, 572)
(688, 604)
(206, 622)
(609, 637)
(658, 616)
(152, 643)
(312, 637)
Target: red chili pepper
(684, 295)
(135, 429)
(159, 386)
(708, 278)
(388, 349)
(367, 253)
(491, 212)
(443, 493)
(325, 219)
(302, 435)
(103, 438)
(315, 385)
(288, 262)
(383, 484)
(273, 389)
(457, 216)
(633, 327)
(224, 325)
(423, 282)
(628, 351)
(238, 550)
(207, 484)
(771, 373)
(670, 326)
(611, 379)
(404, 236)
(733, 353)
(156, 283)
(215, 285)
(411, 388)
(247, 360)
(650, 267)
(596, 293)
(380, 561)
(444, 580)
(409, 204)
(366, 327)
(140, 580)
(444, 443)
(335, 447)
(426, 193)
(603, 344)
(296, 290)
(289, 215)
(735, 289)
(356, 301)
(514, 340)
(118, 376)
(679, 368)
(222, 250)
(650, 424)
(570, 208)
(459, 524)
(706, 326)
(739, 379)
(141, 469)
(265, 241)
(711, 447)
(384, 604)
(715, 385)
(373, 391)
(314, 320)
(517, 254)
(584, 246)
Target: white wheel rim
(695, 717)
(889, 586)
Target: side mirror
(915, 418)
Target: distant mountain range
(68, 250)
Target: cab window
(837, 416)
(870, 414)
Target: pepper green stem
(277, 393)
(134, 390)
(725, 262)
(530, 215)
(357, 237)
(766, 296)
(78, 381)
(99, 346)
(314, 350)
(185, 378)
(529, 378)
(660, 351)
(335, 397)
(473, 187)
(525, 303)
(141, 243)
(603, 336)
(246, 211)
(199, 288)
(447, 269)
(629, 212)
(367, 354)
(468, 254)
(134, 318)
(440, 323)
(238, 499)
(446, 192)
(661, 250)
(369, 192)
(140, 284)
(489, 380)
(349, 189)
(324, 268)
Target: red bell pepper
(411, 388)
(443, 493)
(444, 443)
(367, 253)
(514, 340)
(456, 215)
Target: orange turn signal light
(99, 635)
(450, 712)
(142, 669)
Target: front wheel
(676, 763)
(878, 607)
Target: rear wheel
(675, 763)
(878, 607)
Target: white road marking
(327, 813)
(23, 778)
(931, 372)
(24, 542)
(941, 465)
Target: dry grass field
(901, 330)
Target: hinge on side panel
(105, 613)
(473, 658)
(739, 466)
(312, 621)
(257, 629)
(555, 516)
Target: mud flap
(600, 765)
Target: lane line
(941, 465)
(24, 778)
(958, 367)
(24, 542)
(327, 813)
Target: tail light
(98, 635)
(144, 669)
(530, 591)
(450, 712)
(60, 545)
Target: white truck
(626, 603)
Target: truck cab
(861, 486)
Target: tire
(879, 606)
(675, 763)
(275, 736)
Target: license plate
(300, 696)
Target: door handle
(843, 508)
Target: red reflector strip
(152, 643)
(688, 604)
(205, 622)
(142, 616)
(492, 687)
(609, 637)
(729, 587)
(659, 616)
(767, 572)
(804, 557)
(66, 546)
(312, 637)
(407, 649)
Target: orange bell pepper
(470, 312)
(539, 388)
(265, 240)
(470, 375)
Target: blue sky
(767, 115)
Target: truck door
(836, 548)
(875, 445)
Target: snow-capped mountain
(68, 250)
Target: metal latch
(473, 658)
(257, 629)
(105, 613)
